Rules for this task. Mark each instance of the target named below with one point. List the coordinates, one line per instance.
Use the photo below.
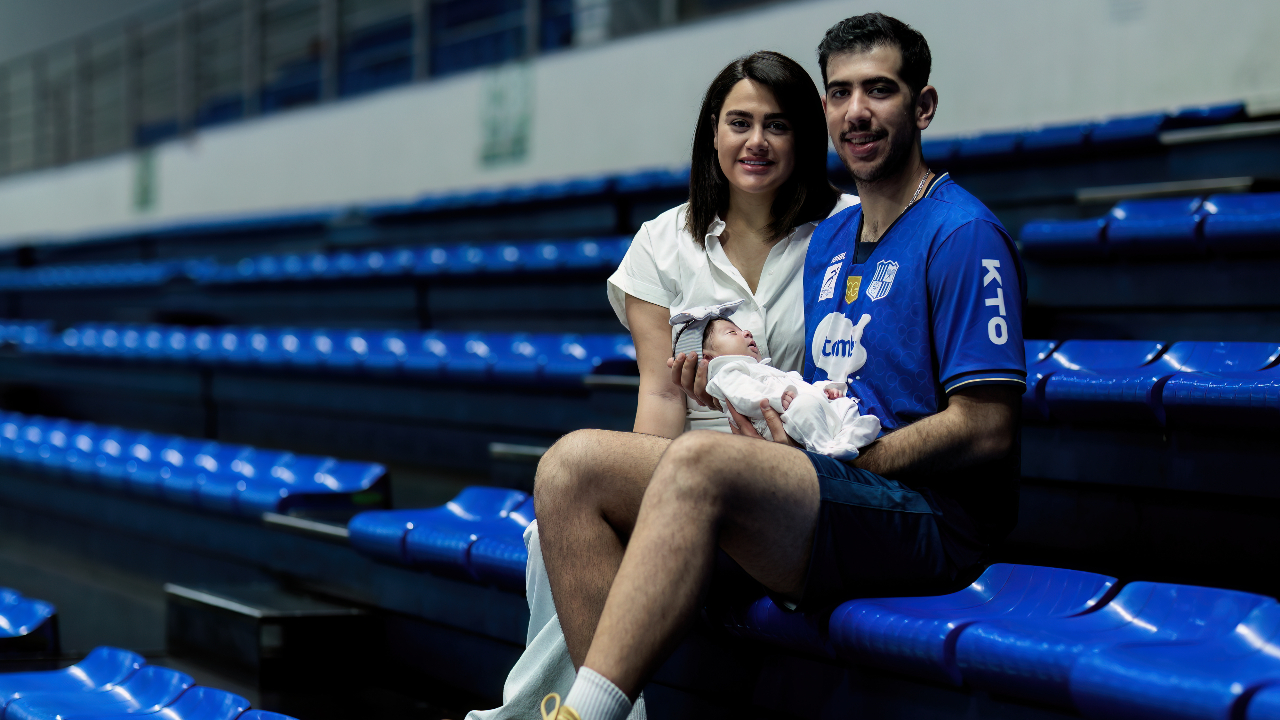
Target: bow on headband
(694, 320)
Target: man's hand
(832, 393)
(741, 425)
(691, 375)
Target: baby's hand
(787, 397)
(832, 393)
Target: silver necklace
(919, 189)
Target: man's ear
(926, 106)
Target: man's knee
(693, 468)
(565, 470)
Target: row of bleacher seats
(114, 683)
(1226, 223)
(218, 477)
(425, 261)
(1077, 381)
(1062, 637)
(503, 357)
(1074, 138)
(1152, 383)
(1070, 138)
(27, 626)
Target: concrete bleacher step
(278, 640)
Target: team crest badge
(883, 279)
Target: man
(914, 298)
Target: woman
(757, 189)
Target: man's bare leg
(587, 493)
(758, 501)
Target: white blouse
(666, 267)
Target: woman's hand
(690, 374)
(741, 425)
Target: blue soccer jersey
(935, 307)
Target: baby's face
(726, 338)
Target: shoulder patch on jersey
(828, 290)
(882, 281)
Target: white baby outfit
(827, 427)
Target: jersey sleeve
(639, 276)
(976, 296)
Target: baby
(823, 419)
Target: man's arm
(977, 426)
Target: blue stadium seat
(470, 356)
(916, 635)
(431, 261)
(104, 667)
(940, 151)
(1136, 131)
(264, 715)
(653, 180)
(542, 256)
(114, 454)
(990, 146)
(1207, 115)
(762, 620)
(1138, 395)
(1178, 680)
(197, 703)
(442, 537)
(82, 451)
(1242, 222)
(1155, 226)
(165, 457)
(231, 470)
(1241, 388)
(182, 483)
(1088, 371)
(499, 558)
(387, 351)
(1265, 704)
(148, 690)
(382, 533)
(1064, 238)
(1038, 368)
(1056, 139)
(1034, 658)
(27, 625)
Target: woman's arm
(660, 409)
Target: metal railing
(200, 63)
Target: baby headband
(693, 321)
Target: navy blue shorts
(875, 538)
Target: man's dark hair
(866, 32)
(807, 195)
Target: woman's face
(754, 140)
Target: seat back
(1157, 209)
(205, 703)
(156, 686)
(106, 665)
(1094, 355)
(1223, 357)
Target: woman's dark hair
(805, 196)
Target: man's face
(871, 115)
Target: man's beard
(891, 164)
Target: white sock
(595, 698)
